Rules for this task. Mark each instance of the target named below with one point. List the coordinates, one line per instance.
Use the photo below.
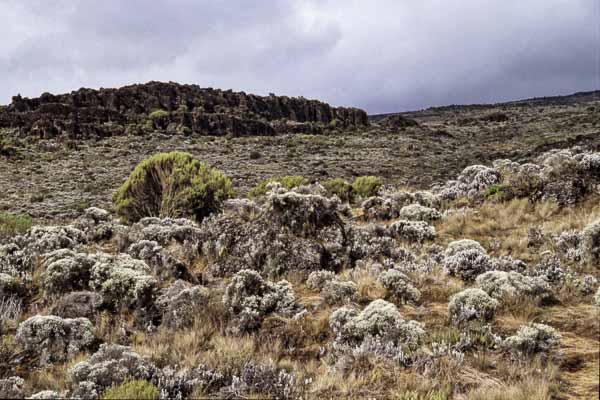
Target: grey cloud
(384, 56)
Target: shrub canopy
(339, 187)
(172, 185)
(366, 186)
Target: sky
(379, 55)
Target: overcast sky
(380, 55)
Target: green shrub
(159, 119)
(147, 126)
(288, 182)
(172, 185)
(14, 224)
(339, 187)
(158, 114)
(133, 390)
(366, 186)
(495, 192)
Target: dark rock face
(78, 305)
(184, 109)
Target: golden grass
(581, 319)
(515, 312)
(508, 223)
(55, 377)
(369, 288)
(530, 389)
(183, 347)
(438, 287)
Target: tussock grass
(503, 227)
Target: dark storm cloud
(381, 55)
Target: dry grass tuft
(182, 347)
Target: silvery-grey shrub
(303, 214)
(568, 243)
(468, 264)
(249, 298)
(373, 242)
(12, 388)
(98, 224)
(508, 264)
(417, 212)
(414, 231)
(532, 339)
(111, 365)
(399, 285)
(165, 230)
(463, 245)
(550, 268)
(123, 280)
(331, 287)
(472, 304)
(591, 243)
(46, 395)
(336, 291)
(55, 339)
(44, 239)
(181, 303)
(15, 261)
(470, 182)
(501, 284)
(11, 286)
(66, 271)
(379, 319)
(318, 279)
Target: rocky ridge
(183, 109)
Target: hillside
(466, 267)
(60, 150)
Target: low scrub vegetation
(302, 294)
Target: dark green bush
(288, 182)
(7, 149)
(158, 114)
(142, 390)
(367, 186)
(172, 185)
(159, 119)
(498, 193)
(339, 187)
